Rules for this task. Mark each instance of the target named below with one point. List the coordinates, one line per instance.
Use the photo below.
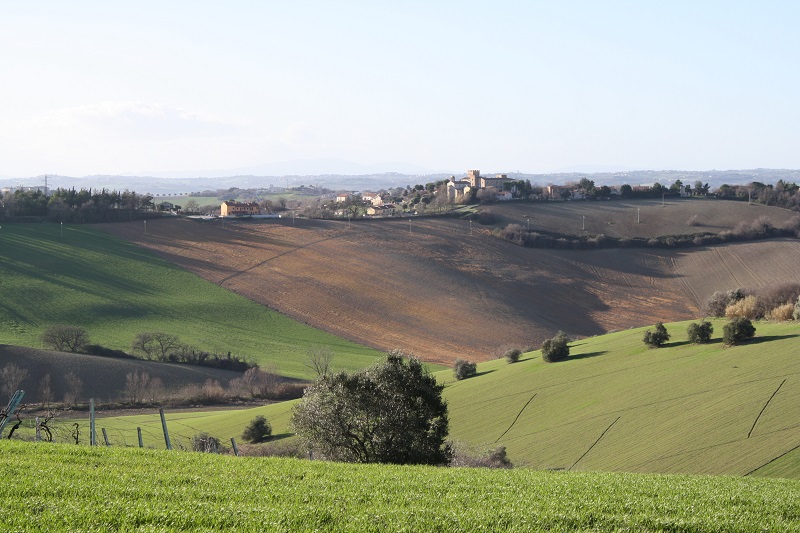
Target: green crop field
(115, 290)
(49, 487)
(614, 406)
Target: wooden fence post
(92, 429)
(105, 436)
(235, 448)
(139, 432)
(164, 426)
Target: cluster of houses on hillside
(474, 185)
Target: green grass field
(76, 488)
(115, 290)
(614, 406)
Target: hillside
(443, 288)
(151, 490)
(613, 406)
(115, 290)
(103, 378)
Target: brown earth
(618, 218)
(103, 377)
(442, 289)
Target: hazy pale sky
(127, 87)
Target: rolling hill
(613, 406)
(444, 288)
(115, 290)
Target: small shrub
(657, 338)
(464, 369)
(700, 333)
(738, 330)
(258, 430)
(206, 443)
(796, 312)
(513, 355)
(555, 349)
(693, 221)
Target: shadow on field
(280, 436)
(585, 355)
(768, 338)
(484, 373)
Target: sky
(153, 87)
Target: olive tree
(392, 412)
(737, 330)
(700, 333)
(555, 349)
(657, 338)
(463, 369)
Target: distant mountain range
(338, 179)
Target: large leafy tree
(392, 412)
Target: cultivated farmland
(443, 288)
(618, 218)
(115, 290)
(614, 405)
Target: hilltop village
(439, 196)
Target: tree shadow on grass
(585, 355)
(280, 436)
(768, 338)
(483, 373)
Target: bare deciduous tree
(136, 385)
(65, 338)
(319, 360)
(11, 376)
(74, 388)
(46, 390)
(156, 344)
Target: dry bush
(747, 307)
(693, 221)
(279, 448)
(776, 296)
(465, 456)
(287, 391)
(782, 313)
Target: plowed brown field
(441, 290)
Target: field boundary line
(594, 444)
(772, 460)
(765, 408)
(517, 417)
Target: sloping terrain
(115, 290)
(103, 378)
(443, 288)
(637, 218)
(616, 405)
(613, 405)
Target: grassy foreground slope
(116, 290)
(616, 405)
(62, 487)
